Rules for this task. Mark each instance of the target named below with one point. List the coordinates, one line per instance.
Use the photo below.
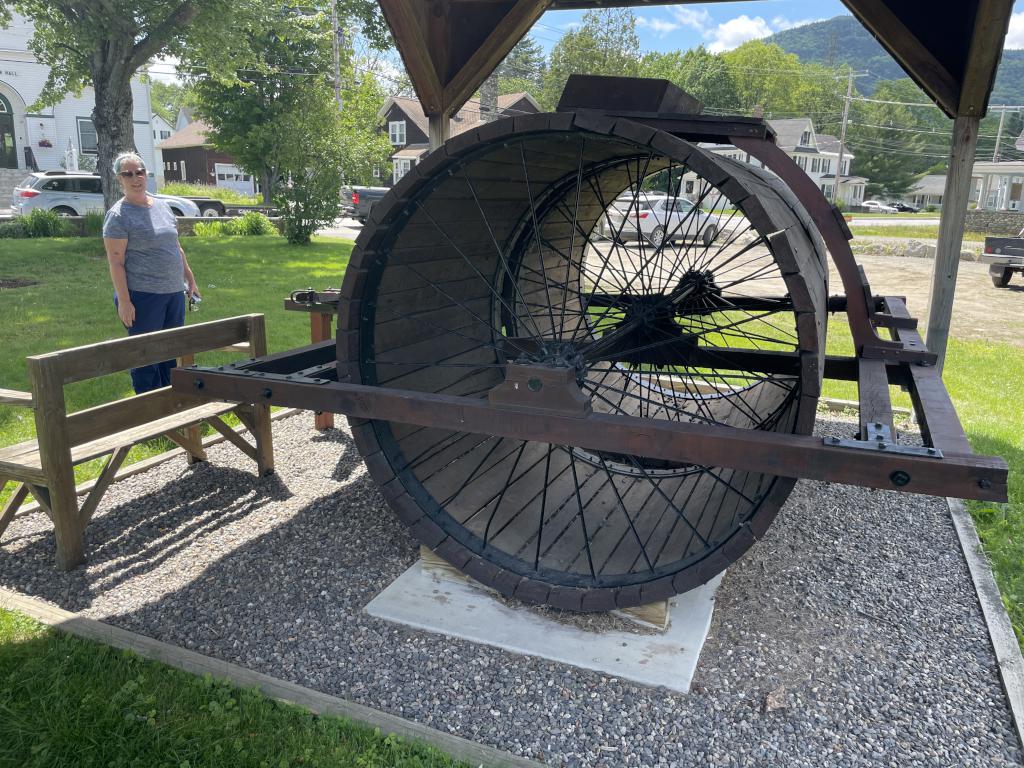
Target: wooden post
(440, 130)
(192, 434)
(261, 431)
(55, 457)
(951, 233)
(320, 330)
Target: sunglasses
(128, 174)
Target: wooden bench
(44, 466)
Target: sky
(724, 26)
(719, 26)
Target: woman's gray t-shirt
(152, 260)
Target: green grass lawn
(922, 232)
(70, 702)
(71, 303)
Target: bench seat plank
(22, 459)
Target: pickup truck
(1004, 256)
(363, 200)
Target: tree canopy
(264, 116)
(605, 43)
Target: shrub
(15, 228)
(252, 223)
(209, 229)
(40, 223)
(92, 224)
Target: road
(980, 310)
(893, 221)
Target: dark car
(904, 207)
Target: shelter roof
(450, 46)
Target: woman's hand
(193, 288)
(126, 311)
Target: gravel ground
(850, 636)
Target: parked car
(75, 193)
(877, 206)
(902, 207)
(655, 217)
(1004, 256)
(363, 199)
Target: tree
(309, 161)
(104, 44)
(765, 76)
(522, 71)
(605, 43)
(700, 73)
(894, 142)
(168, 99)
(252, 113)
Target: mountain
(842, 40)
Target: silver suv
(75, 193)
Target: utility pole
(842, 137)
(999, 133)
(336, 52)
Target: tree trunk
(112, 113)
(267, 186)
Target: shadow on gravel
(136, 537)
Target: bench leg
(257, 420)
(67, 525)
(15, 501)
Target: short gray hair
(120, 159)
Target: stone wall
(995, 222)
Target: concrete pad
(426, 601)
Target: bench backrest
(50, 372)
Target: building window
(376, 171)
(396, 131)
(165, 134)
(86, 136)
(815, 165)
(846, 168)
(805, 139)
(401, 166)
(826, 166)
(802, 162)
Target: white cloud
(688, 17)
(658, 26)
(1015, 37)
(737, 31)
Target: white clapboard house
(39, 137)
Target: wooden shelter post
(440, 129)
(951, 233)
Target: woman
(147, 265)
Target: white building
(42, 135)
(1001, 184)
(816, 153)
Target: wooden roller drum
(502, 268)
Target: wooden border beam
(909, 52)
(405, 17)
(489, 54)
(991, 23)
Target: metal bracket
(879, 439)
